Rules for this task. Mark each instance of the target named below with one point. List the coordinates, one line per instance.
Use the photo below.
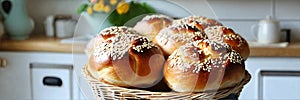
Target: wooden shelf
(39, 43)
(292, 50)
(42, 43)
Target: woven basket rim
(134, 93)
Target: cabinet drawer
(50, 81)
(280, 85)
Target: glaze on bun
(203, 65)
(124, 58)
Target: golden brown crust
(128, 60)
(202, 54)
(171, 38)
(152, 24)
(227, 35)
(203, 65)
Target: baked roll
(203, 65)
(227, 35)
(171, 38)
(124, 58)
(152, 24)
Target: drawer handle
(3, 62)
(52, 81)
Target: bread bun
(227, 35)
(202, 66)
(152, 24)
(171, 38)
(199, 22)
(124, 58)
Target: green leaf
(148, 7)
(82, 8)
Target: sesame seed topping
(180, 34)
(216, 33)
(198, 19)
(145, 44)
(117, 30)
(118, 45)
(189, 19)
(150, 17)
(197, 57)
(234, 57)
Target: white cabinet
(25, 72)
(79, 61)
(280, 85)
(22, 78)
(51, 81)
(272, 78)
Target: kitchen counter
(42, 43)
(39, 43)
(292, 50)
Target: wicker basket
(106, 91)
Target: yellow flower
(101, 1)
(99, 6)
(107, 9)
(90, 10)
(122, 8)
(113, 2)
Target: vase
(17, 23)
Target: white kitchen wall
(241, 9)
(237, 14)
(288, 9)
(242, 14)
(40, 9)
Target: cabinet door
(272, 78)
(280, 85)
(51, 81)
(14, 78)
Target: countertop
(39, 43)
(292, 50)
(42, 43)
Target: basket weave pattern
(107, 91)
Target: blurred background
(46, 63)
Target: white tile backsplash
(242, 14)
(241, 9)
(40, 9)
(243, 28)
(237, 14)
(288, 9)
(196, 7)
